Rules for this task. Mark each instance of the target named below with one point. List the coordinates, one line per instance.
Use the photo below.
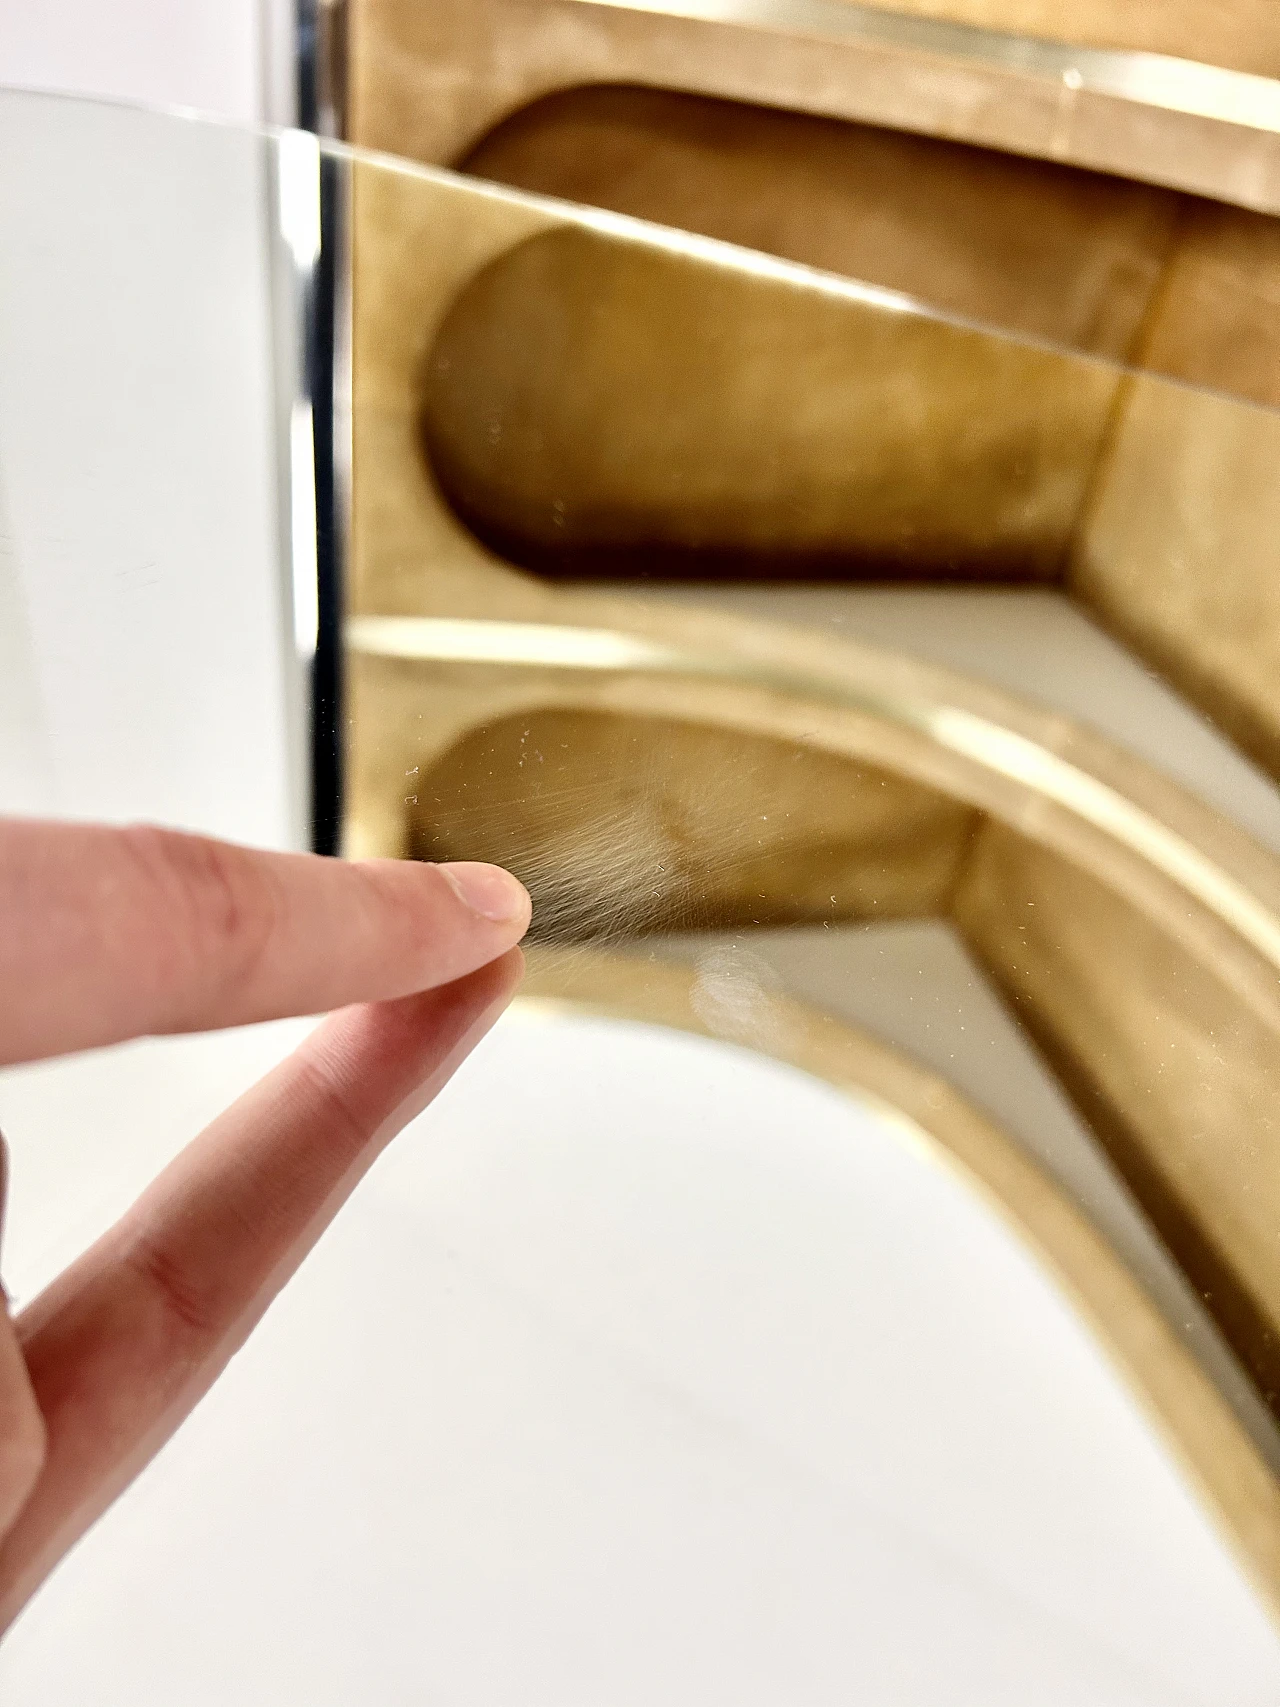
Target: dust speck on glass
(832, 562)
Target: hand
(111, 934)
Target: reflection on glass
(881, 708)
(565, 422)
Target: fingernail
(487, 890)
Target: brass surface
(531, 92)
(537, 387)
(592, 407)
(626, 818)
(1242, 34)
(1070, 256)
(629, 821)
(596, 407)
(1139, 274)
(430, 81)
(1214, 321)
(615, 104)
(1178, 551)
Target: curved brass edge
(1001, 239)
(502, 216)
(609, 404)
(1128, 271)
(430, 81)
(1191, 591)
(1233, 1479)
(1172, 82)
(1193, 935)
(511, 215)
(983, 746)
(1156, 918)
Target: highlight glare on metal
(996, 749)
(1151, 79)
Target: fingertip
(489, 891)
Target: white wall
(219, 56)
(142, 621)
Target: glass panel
(850, 1269)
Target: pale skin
(111, 934)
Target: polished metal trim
(433, 82)
(311, 290)
(984, 743)
(1151, 79)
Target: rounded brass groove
(622, 753)
(940, 149)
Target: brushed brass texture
(1168, 282)
(430, 81)
(1071, 256)
(595, 408)
(1151, 981)
(1178, 552)
(656, 768)
(890, 145)
(605, 104)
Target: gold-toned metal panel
(1174, 1065)
(1170, 283)
(1178, 551)
(1124, 269)
(626, 824)
(838, 439)
(537, 387)
(1214, 321)
(648, 824)
(1242, 34)
(594, 406)
(1071, 256)
(1236, 1481)
(431, 81)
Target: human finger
(125, 1342)
(113, 933)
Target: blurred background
(687, 1413)
(231, 58)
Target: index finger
(113, 933)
